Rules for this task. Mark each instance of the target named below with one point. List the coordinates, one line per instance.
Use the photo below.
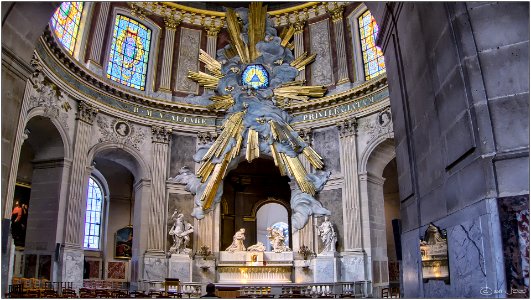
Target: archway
(123, 173)
(374, 161)
(39, 196)
(271, 215)
(246, 189)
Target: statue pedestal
(326, 267)
(303, 271)
(204, 270)
(180, 267)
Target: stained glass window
(65, 24)
(373, 59)
(255, 76)
(93, 216)
(129, 55)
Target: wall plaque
(434, 255)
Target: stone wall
(459, 88)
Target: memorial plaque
(434, 255)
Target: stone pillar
(298, 41)
(167, 54)
(365, 223)
(341, 51)
(72, 257)
(161, 137)
(350, 191)
(97, 39)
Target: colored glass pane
(129, 54)
(65, 24)
(373, 61)
(93, 216)
(255, 76)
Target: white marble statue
(180, 232)
(278, 242)
(237, 241)
(328, 235)
(258, 247)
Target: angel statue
(253, 80)
(180, 232)
(277, 240)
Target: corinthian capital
(212, 30)
(347, 127)
(86, 112)
(171, 23)
(337, 13)
(160, 134)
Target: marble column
(161, 138)
(167, 54)
(97, 39)
(341, 52)
(298, 41)
(72, 257)
(350, 191)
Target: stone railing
(358, 289)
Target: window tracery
(129, 54)
(65, 24)
(93, 216)
(373, 59)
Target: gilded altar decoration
(434, 255)
(252, 78)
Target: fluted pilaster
(167, 54)
(298, 41)
(85, 116)
(306, 234)
(161, 138)
(212, 40)
(97, 40)
(341, 53)
(350, 191)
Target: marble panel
(182, 150)
(304, 273)
(327, 268)
(238, 256)
(326, 143)
(116, 270)
(155, 268)
(30, 265)
(203, 270)
(189, 43)
(180, 266)
(331, 200)
(45, 266)
(321, 68)
(73, 267)
(278, 257)
(352, 267)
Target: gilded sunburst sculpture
(253, 78)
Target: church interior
(265, 149)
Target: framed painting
(123, 243)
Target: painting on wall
(124, 243)
(116, 270)
(19, 216)
(94, 269)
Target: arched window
(128, 59)
(373, 59)
(65, 24)
(93, 215)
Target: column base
(353, 266)
(180, 266)
(155, 266)
(72, 265)
(327, 267)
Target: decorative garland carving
(347, 127)
(382, 124)
(205, 138)
(86, 112)
(131, 135)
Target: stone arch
(39, 112)
(138, 166)
(371, 148)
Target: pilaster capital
(347, 127)
(337, 13)
(86, 112)
(160, 134)
(171, 23)
(138, 11)
(205, 138)
(299, 26)
(213, 30)
(306, 134)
